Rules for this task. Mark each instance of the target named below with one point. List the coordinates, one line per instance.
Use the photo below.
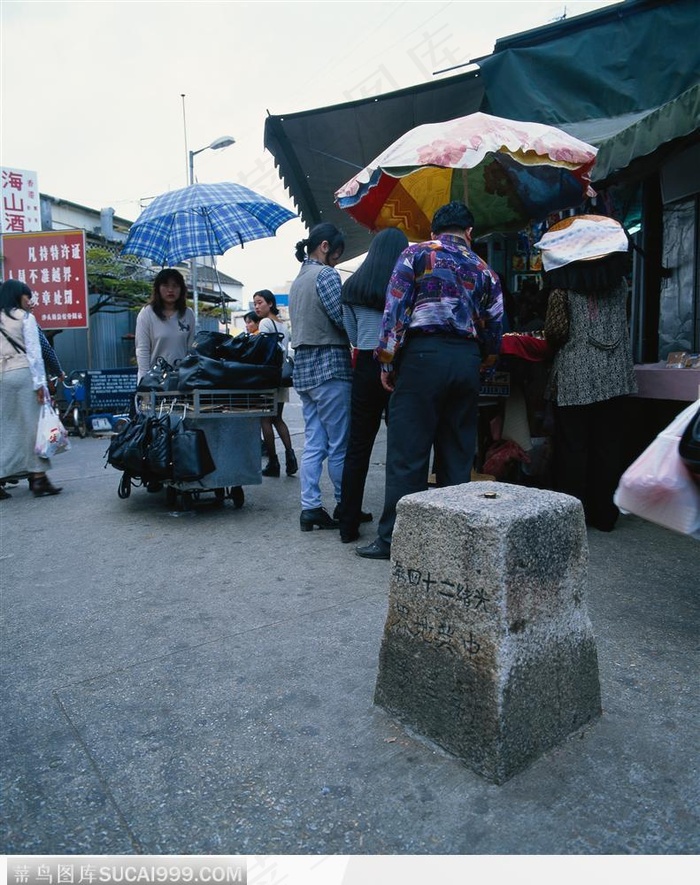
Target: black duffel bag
(208, 343)
(258, 350)
(198, 372)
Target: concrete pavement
(202, 683)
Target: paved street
(202, 683)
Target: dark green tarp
(626, 58)
(632, 148)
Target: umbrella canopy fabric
(508, 172)
(203, 219)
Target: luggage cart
(230, 420)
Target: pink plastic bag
(659, 487)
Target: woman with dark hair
(165, 326)
(322, 233)
(322, 369)
(586, 259)
(22, 391)
(363, 305)
(270, 323)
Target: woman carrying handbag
(23, 391)
(586, 260)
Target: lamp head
(222, 142)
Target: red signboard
(52, 264)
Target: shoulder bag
(287, 376)
(192, 458)
(556, 324)
(128, 449)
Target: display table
(657, 381)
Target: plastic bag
(51, 435)
(659, 487)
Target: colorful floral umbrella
(509, 173)
(203, 219)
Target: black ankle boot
(42, 486)
(272, 468)
(291, 462)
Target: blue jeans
(326, 411)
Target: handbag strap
(17, 347)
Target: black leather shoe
(317, 517)
(378, 549)
(364, 517)
(347, 536)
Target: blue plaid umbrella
(203, 219)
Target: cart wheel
(187, 499)
(237, 496)
(124, 489)
(170, 496)
(219, 495)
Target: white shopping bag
(51, 435)
(659, 487)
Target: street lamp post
(216, 145)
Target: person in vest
(322, 369)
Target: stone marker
(487, 647)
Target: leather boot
(273, 467)
(291, 462)
(42, 486)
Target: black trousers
(368, 402)
(588, 446)
(434, 405)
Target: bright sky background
(91, 91)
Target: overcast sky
(91, 91)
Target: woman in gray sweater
(165, 326)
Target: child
(252, 322)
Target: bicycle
(71, 408)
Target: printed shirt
(441, 286)
(315, 365)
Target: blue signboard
(111, 390)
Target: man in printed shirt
(443, 316)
